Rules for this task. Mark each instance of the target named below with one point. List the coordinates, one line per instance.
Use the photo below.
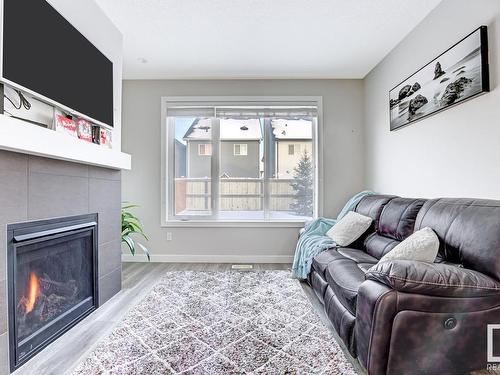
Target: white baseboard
(180, 258)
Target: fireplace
(52, 281)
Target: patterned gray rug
(220, 323)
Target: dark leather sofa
(408, 317)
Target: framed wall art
(458, 74)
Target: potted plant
(132, 225)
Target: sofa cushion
(344, 277)
(372, 206)
(356, 255)
(322, 260)
(396, 223)
(397, 219)
(365, 267)
(377, 245)
(468, 231)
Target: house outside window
(240, 149)
(269, 184)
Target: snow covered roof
(229, 130)
(292, 129)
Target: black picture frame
(409, 101)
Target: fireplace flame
(33, 292)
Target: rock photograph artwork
(458, 74)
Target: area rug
(196, 322)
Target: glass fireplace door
(52, 282)
(52, 278)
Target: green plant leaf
(146, 251)
(131, 224)
(126, 207)
(128, 224)
(130, 243)
(133, 227)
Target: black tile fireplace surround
(52, 281)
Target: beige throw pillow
(423, 245)
(349, 228)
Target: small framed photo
(65, 125)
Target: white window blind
(252, 110)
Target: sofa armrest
(433, 279)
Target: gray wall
(180, 159)
(34, 188)
(234, 166)
(455, 152)
(343, 164)
(197, 165)
(240, 165)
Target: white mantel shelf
(20, 136)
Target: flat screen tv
(43, 54)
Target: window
(205, 149)
(295, 149)
(205, 180)
(240, 149)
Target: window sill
(233, 224)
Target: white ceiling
(260, 38)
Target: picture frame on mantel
(458, 74)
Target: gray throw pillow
(423, 246)
(349, 228)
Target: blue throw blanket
(314, 240)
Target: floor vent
(242, 267)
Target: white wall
(343, 164)
(454, 153)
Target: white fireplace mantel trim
(20, 136)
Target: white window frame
(167, 157)
(205, 145)
(242, 146)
